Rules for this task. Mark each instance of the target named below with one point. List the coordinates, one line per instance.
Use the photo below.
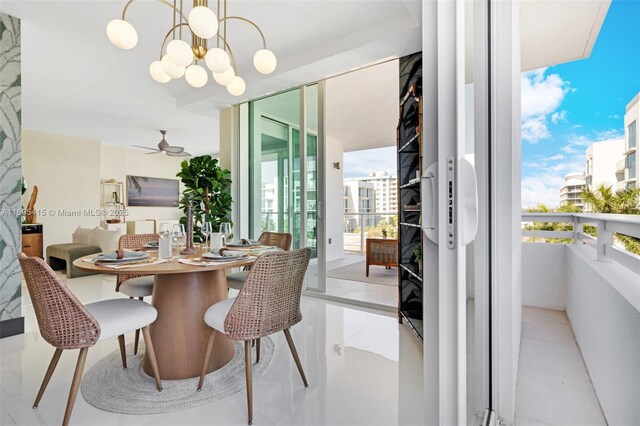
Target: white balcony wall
(544, 275)
(602, 301)
(607, 328)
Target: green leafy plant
(208, 186)
(417, 253)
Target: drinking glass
(225, 230)
(164, 229)
(178, 234)
(207, 229)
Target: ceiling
(76, 83)
(362, 107)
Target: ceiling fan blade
(146, 147)
(156, 152)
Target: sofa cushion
(105, 239)
(82, 235)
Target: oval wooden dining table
(181, 295)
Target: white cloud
(361, 163)
(542, 95)
(558, 116)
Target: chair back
(131, 242)
(269, 300)
(278, 239)
(63, 321)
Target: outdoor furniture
(382, 252)
(67, 324)
(282, 240)
(268, 302)
(135, 285)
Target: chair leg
(247, 369)
(367, 269)
(75, 384)
(294, 352)
(135, 342)
(123, 353)
(152, 356)
(47, 376)
(207, 357)
(257, 350)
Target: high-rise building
(386, 189)
(571, 192)
(359, 197)
(631, 165)
(602, 164)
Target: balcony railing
(360, 226)
(607, 248)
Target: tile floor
(554, 387)
(363, 368)
(378, 294)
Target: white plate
(217, 257)
(239, 244)
(126, 259)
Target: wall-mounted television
(152, 192)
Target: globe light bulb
(157, 73)
(122, 34)
(180, 53)
(196, 76)
(265, 61)
(203, 22)
(171, 69)
(217, 60)
(237, 86)
(224, 78)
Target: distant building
(571, 192)
(359, 197)
(386, 188)
(603, 164)
(631, 165)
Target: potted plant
(417, 254)
(208, 186)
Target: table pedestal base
(179, 333)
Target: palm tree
(625, 201)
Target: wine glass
(207, 229)
(178, 234)
(225, 230)
(164, 229)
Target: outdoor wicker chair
(135, 285)
(278, 239)
(67, 324)
(268, 302)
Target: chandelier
(179, 58)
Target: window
(631, 165)
(632, 135)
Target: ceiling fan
(163, 146)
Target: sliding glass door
(284, 170)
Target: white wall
(607, 329)
(334, 211)
(544, 275)
(68, 172)
(117, 162)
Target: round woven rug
(110, 387)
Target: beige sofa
(85, 241)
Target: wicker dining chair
(277, 239)
(135, 285)
(65, 323)
(268, 302)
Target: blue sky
(567, 107)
